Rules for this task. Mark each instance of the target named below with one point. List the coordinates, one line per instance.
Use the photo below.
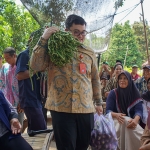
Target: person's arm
(138, 114)
(111, 102)
(145, 147)
(22, 65)
(111, 107)
(138, 110)
(13, 112)
(96, 86)
(40, 59)
(22, 70)
(13, 117)
(145, 139)
(23, 75)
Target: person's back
(29, 93)
(28, 87)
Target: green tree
(16, 25)
(119, 3)
(122, 42)
(47, 11)
(140, 37)
(95, 42)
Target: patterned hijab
(127, 96)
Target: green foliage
(119, 3)
(45, 12)
(16, 25)
(95, 41)
(128, 69)
(140, 37)
(123, 46)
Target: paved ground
(52, 146)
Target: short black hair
(10, 50)
(74, 19)
(118, 65)
(119, 61)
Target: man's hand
(145, 147)
(99, 109)
(15, 126)
(48, 32)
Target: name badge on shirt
(82, 68)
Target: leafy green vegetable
(61, 47)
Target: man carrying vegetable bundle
(72, 87)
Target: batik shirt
(112, 84)
(69, 90)
(9, 84)
(141, 85)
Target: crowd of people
(127, 97)
(71, 96)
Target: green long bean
(61, 48)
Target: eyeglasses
(77, 32)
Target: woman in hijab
(125, 105)
(113, 82)
(10, 138)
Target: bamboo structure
(146, 40)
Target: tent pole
(146, 40)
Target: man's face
(10, 59)
(78, 31)
(134, 70)
(146, 73)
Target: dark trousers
(72, 131)
(35, 118)
(17, 143)
(44, 110)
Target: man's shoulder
(24, 52)
(86, 49)
(23, 56)
(5, 66)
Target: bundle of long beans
(61, 47)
